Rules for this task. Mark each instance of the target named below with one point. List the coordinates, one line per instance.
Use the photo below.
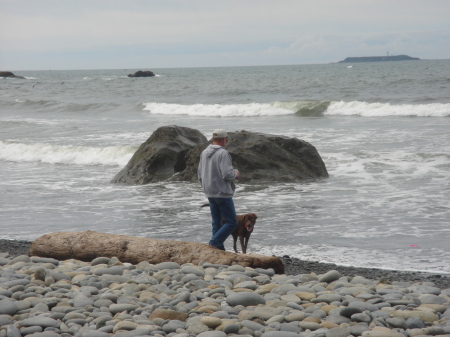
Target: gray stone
(349, 311)
(196, 328)
(30, 330)
(100, 260)
(13, 283)
(192, 270)
(432, 299)
(212, 334)
(358, 329)
(363, 306)
(4, 261)
(396, 322)
(45, 322)
(280, 334)
(173, 325)
(327, 298)
(231, 328)
(338, 319)
(95, 333)
(415, 323)
(82, 301)
(8, 307)
(12, 331)
(245, 299)
(337, 332)
(290, 327)
(115, 308)
(59, 276)
(424, 289)
(21, 258)
(40, 274)
(361, 318)
(252, 325)
(37, 259)
(330, 276)
(5, 320)
(167, 265)
(109, 271)
(45, 334)
(361, 280)
(309, 325)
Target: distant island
(379, 58)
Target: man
(216, 175)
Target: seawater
(382, 130)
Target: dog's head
(249, 221)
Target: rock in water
(89, 245)
(9, 74)
(261, 157)
(141, 73)
(265, 157)
(161, 156)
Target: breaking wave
(66, 154)
(304, 108)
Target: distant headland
(379, 58)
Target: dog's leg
(244, 247)
(246, 243)
(234, 242)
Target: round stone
(212, 334)
(192, 270)
(211, 322)
(231, 328)
(245, 298)
(415, 323)
(330, 276)
(361, 318)
(100, 260)
(115, 308)
(45, 322)
(309, 325)
(8, 307)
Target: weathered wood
(89, 245)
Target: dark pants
(222, 208)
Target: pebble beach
(44, 297)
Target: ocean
(382, 130)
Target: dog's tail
(204, 205)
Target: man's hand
(238, 174)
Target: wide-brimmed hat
(219, 133)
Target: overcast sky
(105, 34)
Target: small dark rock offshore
(141, 73)
(9, 74)
(173, 153)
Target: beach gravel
(43, 297)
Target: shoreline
(295, 266)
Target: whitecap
(217, 110)
(66, 154)
(386, 109)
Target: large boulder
(161, 156)
(141, 73)
(264, 157)
(87, 246)
(9, 74)
(173, 153)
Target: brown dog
(244, 229)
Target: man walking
(216, 175)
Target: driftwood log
(89, 245)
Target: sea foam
(66, 154)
